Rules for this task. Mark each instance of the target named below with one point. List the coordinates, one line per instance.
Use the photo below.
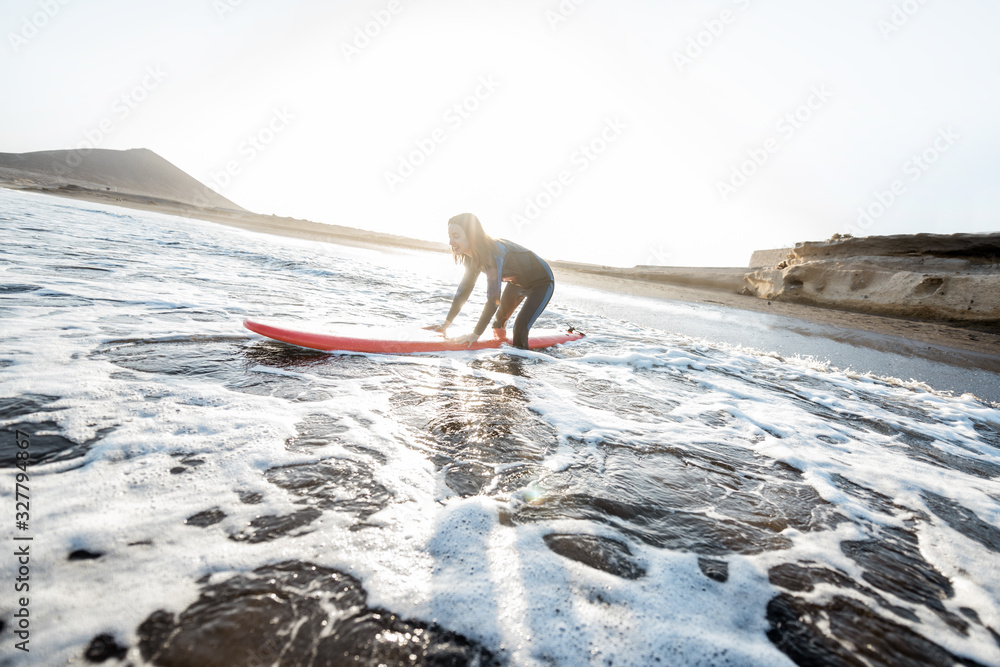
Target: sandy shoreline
(715, 286)
(933, 334)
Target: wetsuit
(528, 279)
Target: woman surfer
(528, 277)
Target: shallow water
(201, 495)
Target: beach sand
(938, 335)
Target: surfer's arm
(489, 310)
(492, 303)
(493, 283)
(461, 296)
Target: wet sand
(933, 335)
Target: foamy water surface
(200, 495)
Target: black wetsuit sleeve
(493, 283)
(489, 310)
(464, 291)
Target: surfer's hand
(467, 339)
(440, 328)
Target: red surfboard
(419, 341)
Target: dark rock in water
(47, 445)
(15, 288)
(929, 452)
(964, 521)
(803, 579)
(177, 470)
(717, 570)
(600, 553)
(250, 498)
(202, 357)
(316, 431)
(206, 518)
(218, 359)
(154, 633)
(893, 563)
(660, 498)
(104, 647)
(338, 484)
(26, 404)
(920, 447)
(296, 613)
(846, 632)
(83, 554)
(873, 499)
(467, 478)
(971, 614)
(332, 484)
(321, 430)
(271, 527)
(846, 627)
(988, 433)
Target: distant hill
(140, 179)
(137, 172)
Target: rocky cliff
(941, 277)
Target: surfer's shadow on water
(482, 435)
(497, 600)
(460, 551)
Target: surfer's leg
(509, 300)
(534, 303)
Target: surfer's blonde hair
(481, 244)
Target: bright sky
(687, 133)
